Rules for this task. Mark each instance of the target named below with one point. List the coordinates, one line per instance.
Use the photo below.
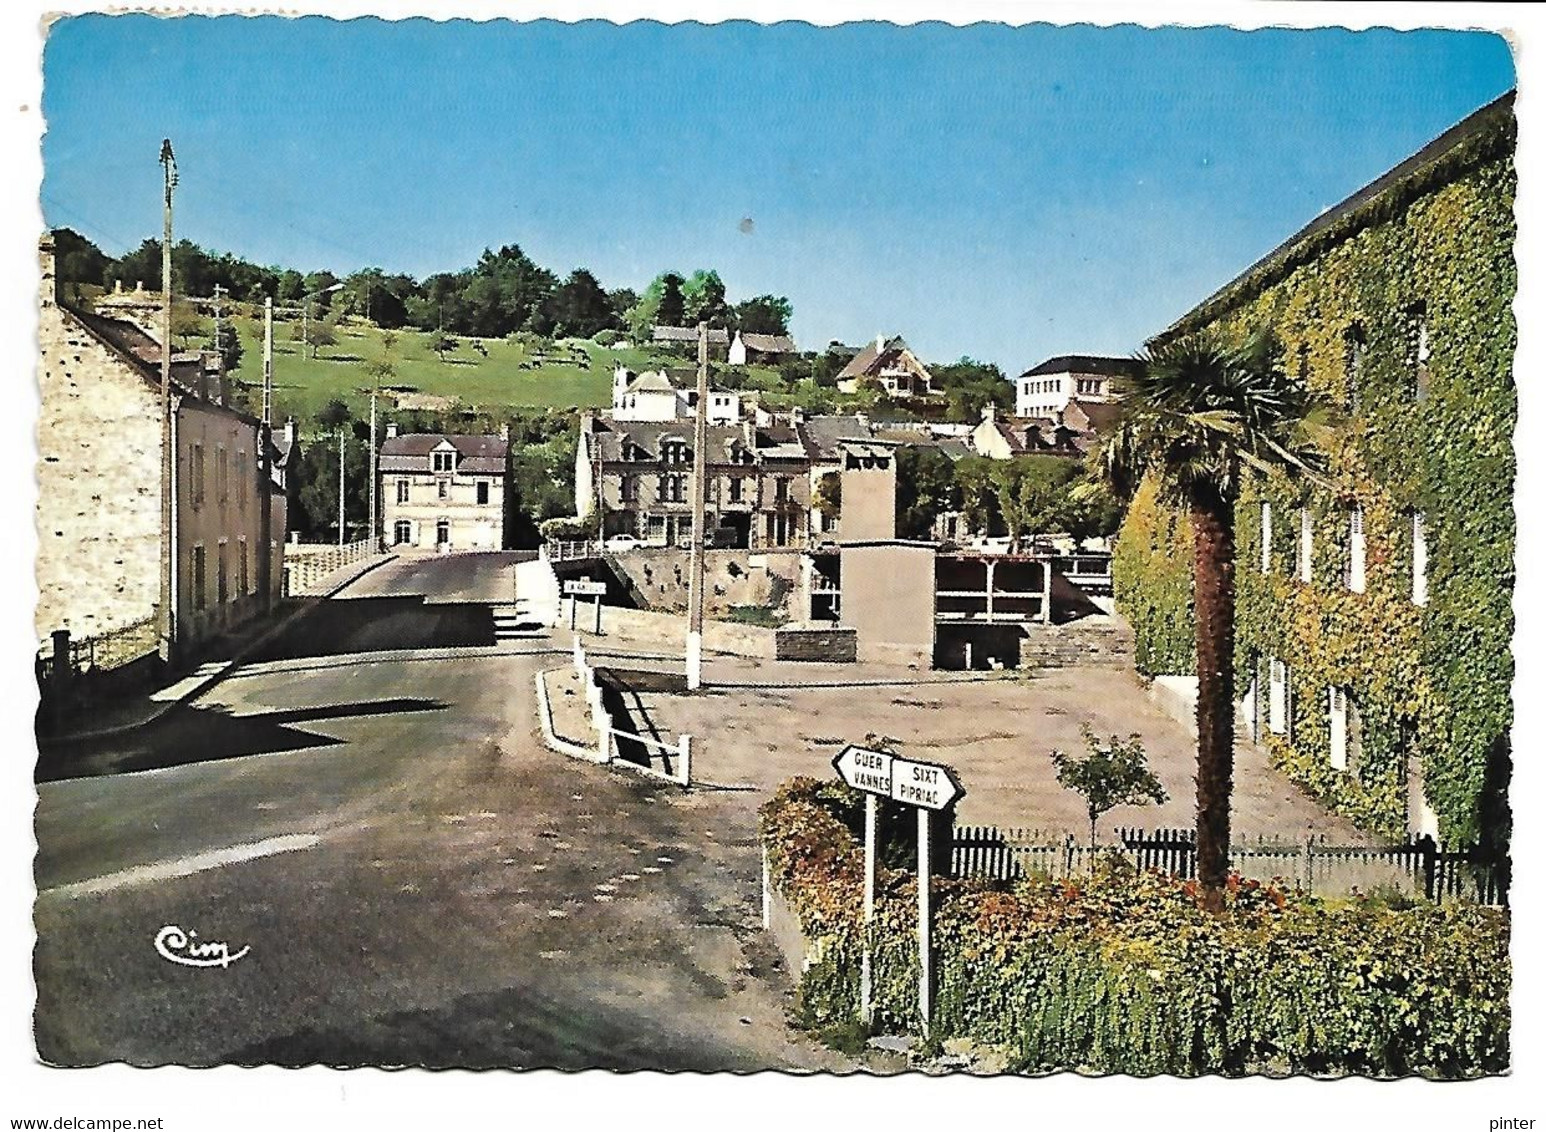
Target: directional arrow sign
(929, 785)
(864, 769)
(585, 588)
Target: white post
(268, 360)
(699, 502)
(340, 488)
(767, 891)
(925, 958)
(684, 759)
(573, 603)
(866, 988)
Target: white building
(444, 493)
(1046, 390)
(650, 396)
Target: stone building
(639, 474)
(99, 484)
(1374, 612)
(445, 492)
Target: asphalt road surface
(366, 808)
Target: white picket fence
(612, 743)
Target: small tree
(443, 343)
(1109, 775)
(323, 333)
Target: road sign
(585, 588)
(928, 785)
(864, 769)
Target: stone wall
(99, 475)
(669, 630)
(823, 643)
(659, 578)
(1092, 642)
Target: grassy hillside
(509, 377)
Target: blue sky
(1007, 193)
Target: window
(222, 595)
(673, 488)
(241, 481)
(1277, 697)
(243, 577)
(1357, 347)
(1306, 562)
(1346, 729)
(628, 489)
(1355, 549)
(444, 461)
(483, 491)
(443, 489)
(222, 475)
(198, 578)
(735, 489)
(402, 491)
(402, 531)
(1417, 339)
(443, 532)
(781, 490)
(1419, 559)
(1266, 537)
(196, 476)
(674, 452)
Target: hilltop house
(1046, 389)
(748, 347)
(892, 365)
(445, 492)
(100, 539)
(651, 396)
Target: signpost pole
(925, 988)
(598, 615)
(866, 990)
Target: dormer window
(673, 451)
(443, 461)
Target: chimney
(48, 282)
(391, 430)
(797, 415)
(290, 432)
(117, 286)
(880, 343)
(989, 413)
(864, 422)
(139, 286)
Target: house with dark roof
(890, 365)
(1043, 390)
(100, 483)
(747, 347)
(654, 396)
(445, 492)
(638, 473)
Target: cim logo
(183, 948)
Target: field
(497, 381)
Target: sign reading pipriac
(923, 784)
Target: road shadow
(380, 624)
(189, 734)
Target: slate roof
(609, 437)
(769, 343)
(477, 455)
(823, 433)
(1100, 414)
(650, 383)
(868, 358)
(1084, 363)
(717, 337)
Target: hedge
(1125, 973)
(1430, 681)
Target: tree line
(505, 292)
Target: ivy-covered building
(1375, 609)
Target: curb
(219, 674)
(549, 736)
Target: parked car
(619, 544)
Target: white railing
(608, 735)
(570, 550)
(306, 564)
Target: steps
(516, 622)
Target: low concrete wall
(659, 577)
(1176, 696)
(670, 631)
(832, 644)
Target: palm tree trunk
(1213, 579)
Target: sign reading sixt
(927, 785)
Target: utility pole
(700, 445)
(268, 360)
(340, 488)
(166, 629)
(375, 543)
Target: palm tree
(1200, 414)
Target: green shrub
(1124, 972)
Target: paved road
(366, 806)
